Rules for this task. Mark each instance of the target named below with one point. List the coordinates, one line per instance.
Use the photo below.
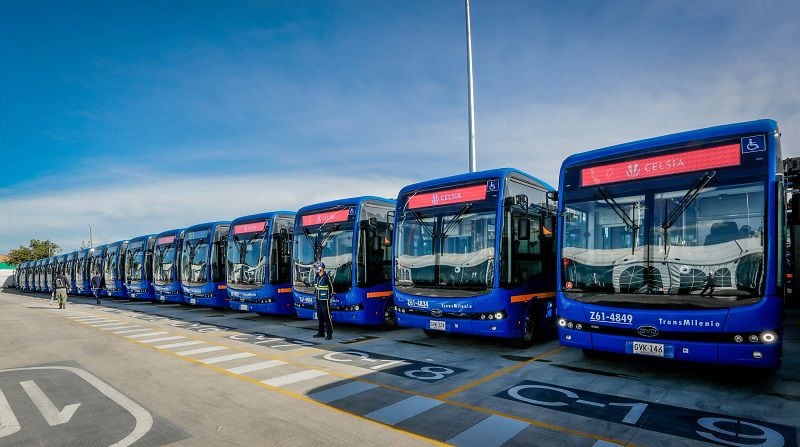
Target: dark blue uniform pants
(324, 317)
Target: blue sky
(136, 117)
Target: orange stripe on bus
(379, 294)
(523, 298)
(222, 287)
(285, 290)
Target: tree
(36, 249)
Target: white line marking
(405, 409)
(131, 331)
(181, 344)
(492, 431)
(144, 421)
(148, 334)
(601, 443)
(341, 391)
(116, 328)
(256, 366)
(154, 340)
(292, 378)
(92, 319)
(46, 406)
(102, 325)
(8, 422)
(225, 358)
(202, 350)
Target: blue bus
(60, 266)
(70, 266)
(97, 260)
(672, 247)
(41, 276)
(49, 273)
(259, 263)
(203, 264)
(35, 271)
(166, 267)
(114, 269)
(139, 267)
(83, 273)
(351, 236)
(475, 254)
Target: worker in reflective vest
(324, 292)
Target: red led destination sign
(643, 168)
(325, 218)
(248, 227)
(166, 240)
(448, 197)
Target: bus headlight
(769, 337)
(562, 322)
(498, 316)
(738, 338)
(753, 338)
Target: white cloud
(128, 211)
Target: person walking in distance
(711, 282)
(324, 292)
(61, 289)
(98, 283)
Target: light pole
(90, 237)
(472, 162)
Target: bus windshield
(163, 261)
(195, 258)
(247, 259)
(111, 263)
(446, 251)
(134, 261)
(332, 243)
(666, 245)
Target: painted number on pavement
(426, 372)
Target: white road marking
(601, 443)
(147, 334)
(118, 327)
(144, 421)
(8, 421)
(225, 358)
(492, 431)
(181, 344)
(131, 331)
(293, 378)
(202, 350)
(405, 409)
(256, 366)
(46, 406)
(154, 340)
(341, 391)
(103, 325)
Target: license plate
(192, 301)
(438, 325)
(243, 307)
(161, 298)
(651, 349)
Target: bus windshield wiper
(684, 203)
(457, 218)
(327, 238)
(687, 199)
(621, 213)
(425, 225)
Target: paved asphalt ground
(142, 374)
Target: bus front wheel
(530, 330)
(433, 333)
(389, 319)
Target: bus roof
(170, 232)
(141, 238)
(266, 215)
(344, 202)
(206, 225)
(469, 176)
(698, 136)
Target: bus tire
(592, 354)
(389, 318)
(433, 333)
(531, 329)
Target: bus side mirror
(388, 236)
(523, 229)
(550, 222)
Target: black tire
(531, 330)
(433, 333)
(389, 318)
(592, 354)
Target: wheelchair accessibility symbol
(753, 144)
(491, 185)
